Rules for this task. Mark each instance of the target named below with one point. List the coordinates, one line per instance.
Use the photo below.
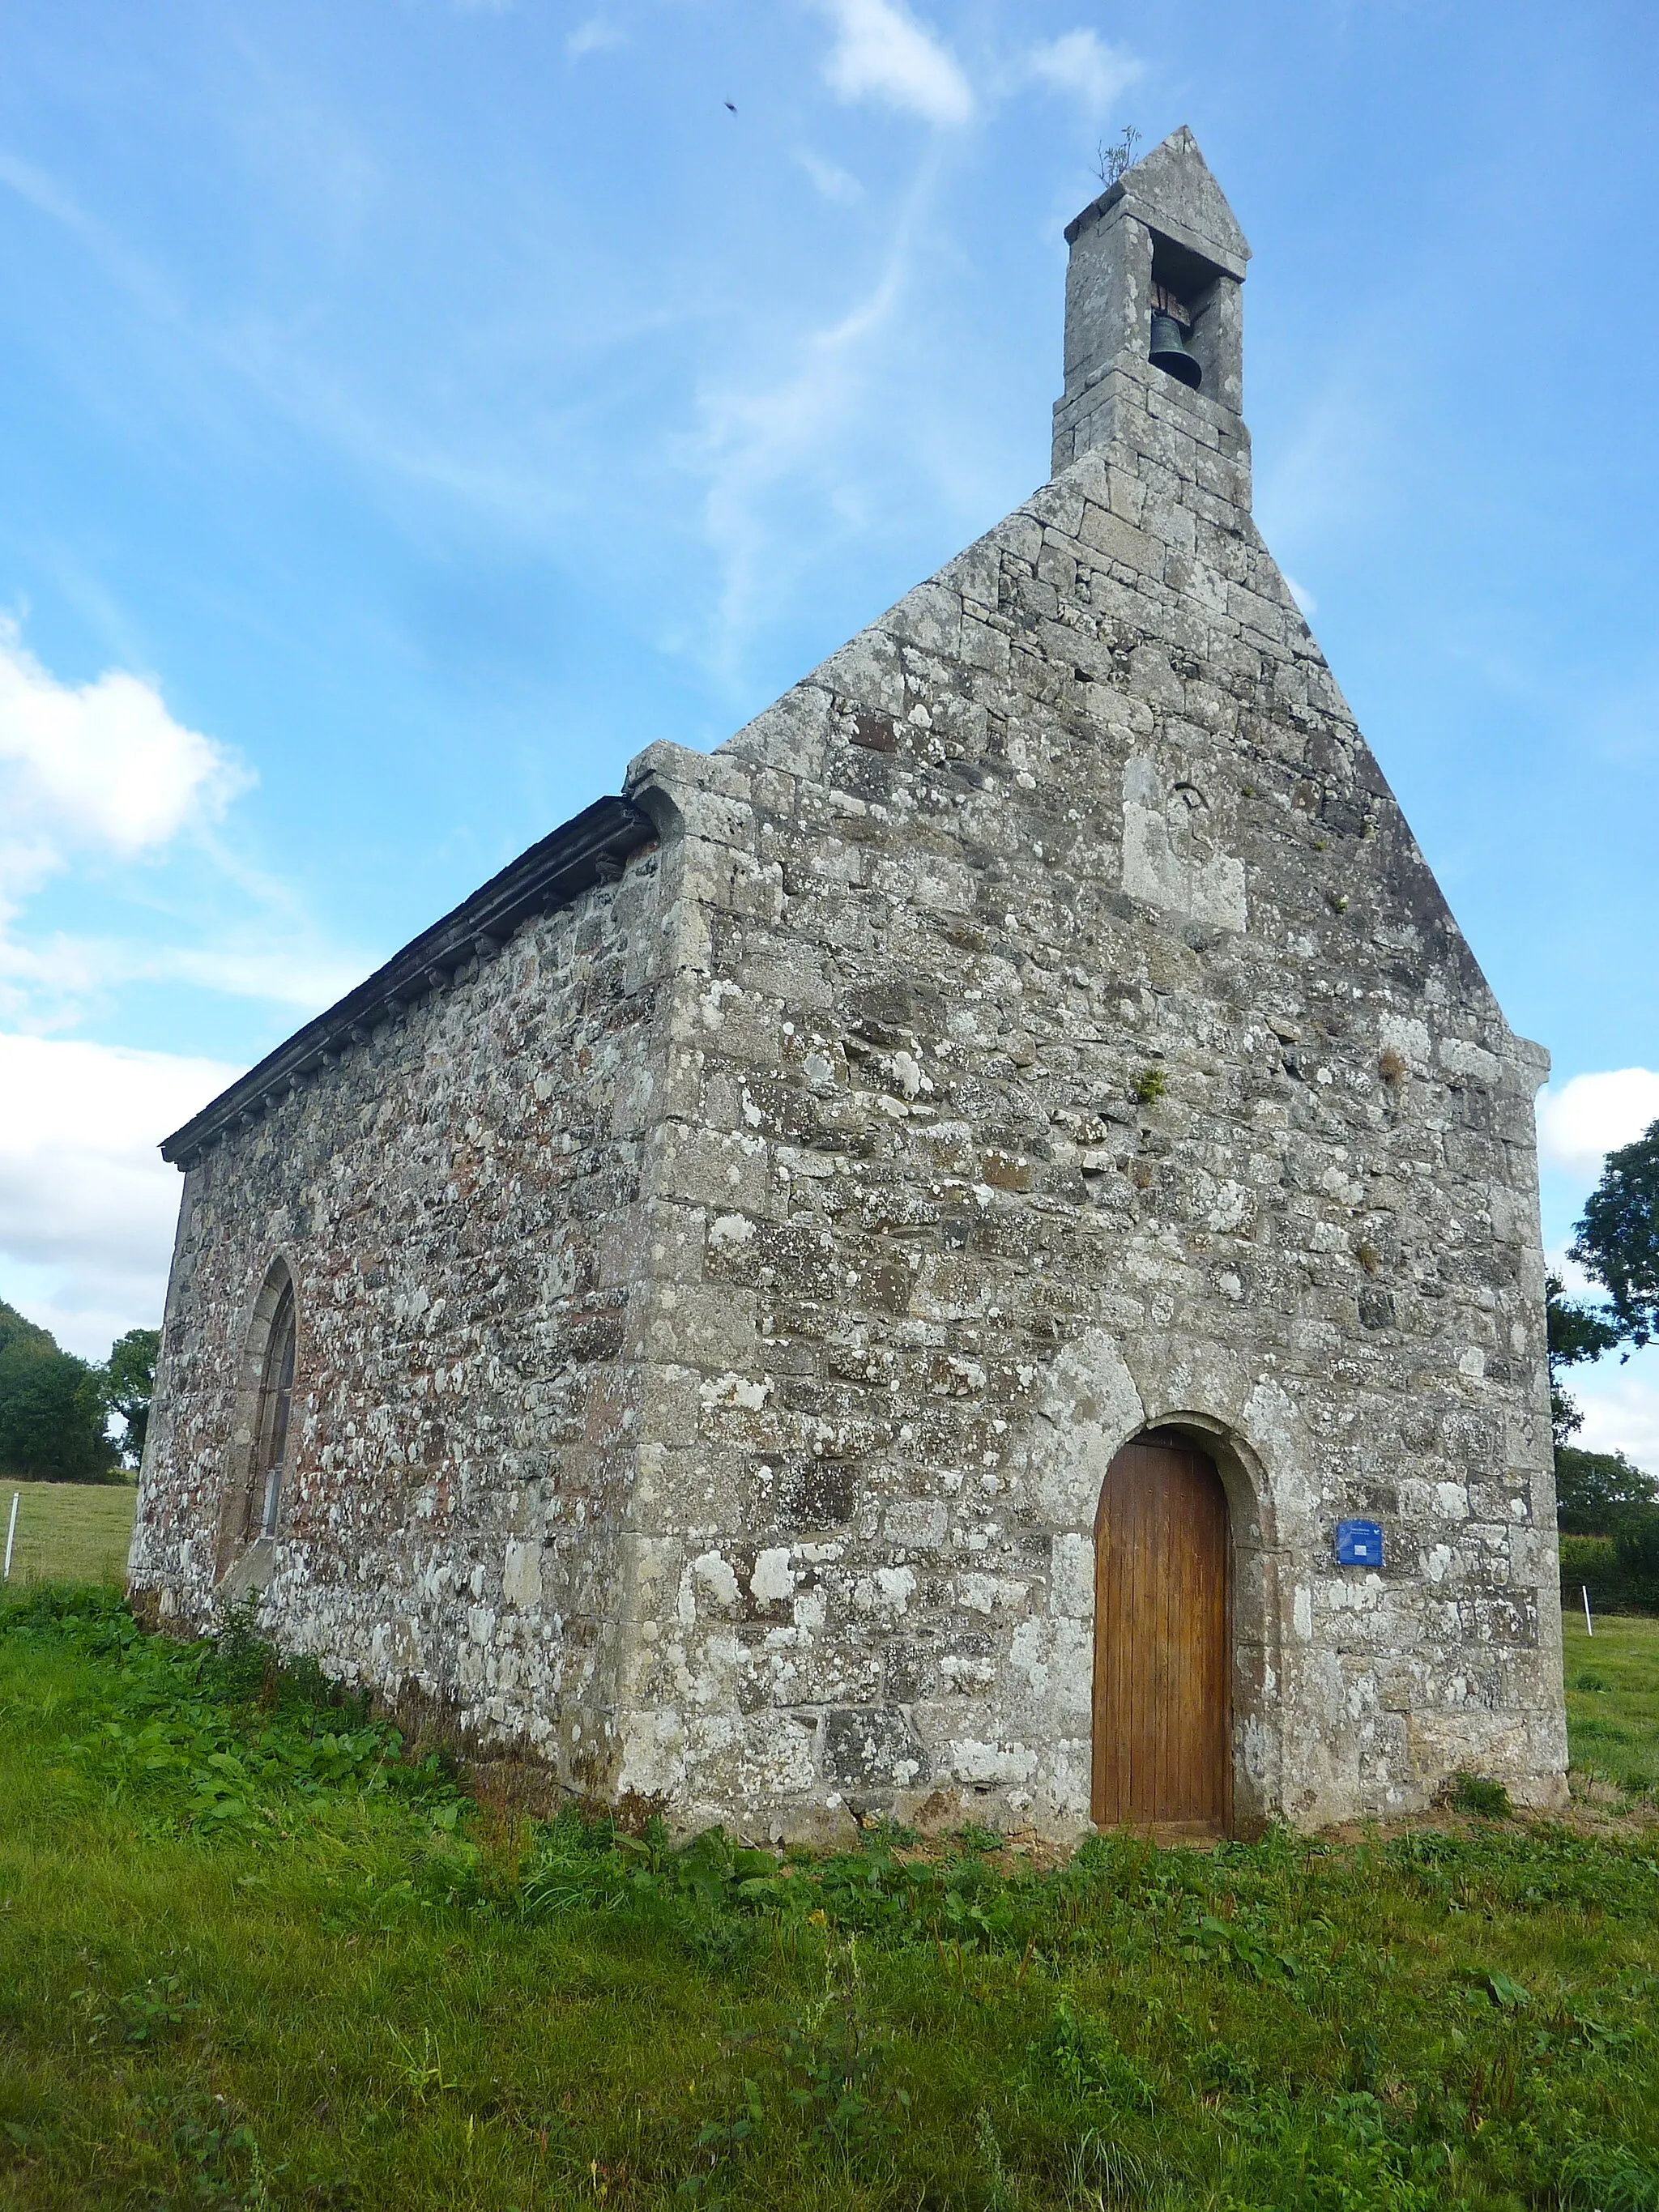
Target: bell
(1169, 350)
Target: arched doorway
(1163, 1731)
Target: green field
(1612, 1699)
(69, 1531)
(249, 1959)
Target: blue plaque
(1359, 1543)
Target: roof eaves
(591, 847)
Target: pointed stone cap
(1172, 192)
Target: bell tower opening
(1183, 294)
(1172, 323)
(1152, 309)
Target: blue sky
(414, 408)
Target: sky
(414, 407)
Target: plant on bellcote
(1110, 161)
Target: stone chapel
(973, 1253)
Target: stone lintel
(1120, 202)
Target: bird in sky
(734, 109)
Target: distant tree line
(1604, 1495)
(56, 1410)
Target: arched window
(270, 1424)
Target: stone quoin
(724, 1257)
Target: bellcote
(1154, 315)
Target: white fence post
(1584, 1591)
(11, 1531)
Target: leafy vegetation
(1618, 1564)
(1619, 1572)
(1473, 1793)
(1607, 1507)
(129, 1384)
(1595, 1491)
(55, 1409)
(255, 1953)
(1584, 1561)
(1601, 1494)
(1111, 161)
(52, 1410)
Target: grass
(251, 1957)
(74, 1532)
(1613, 1700)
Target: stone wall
(458, 1201)
(1069, 1036)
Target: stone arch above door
(1094, 1401)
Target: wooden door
(1163, 1750)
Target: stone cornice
(591, 847)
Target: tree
(52, 1411)
(1636, 1545)
(1597, 1492)
(15, 1329)
(1574, 1333)
(129, 1383)
(1616, 1241)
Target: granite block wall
(458, 1199)
(1068, 1038)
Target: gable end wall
(1083, 809)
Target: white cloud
(87, 1206)
(881, 53)
(1082, 65)
(593, 37)
(1575, 1283)
(279, 962)
(756, 438)
(1303, 598)
(1591, 1115)
(96, 771)
(835, 183)
(100, 776)
(99, 764)
(1620, 1406)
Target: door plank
(1162, 1661)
